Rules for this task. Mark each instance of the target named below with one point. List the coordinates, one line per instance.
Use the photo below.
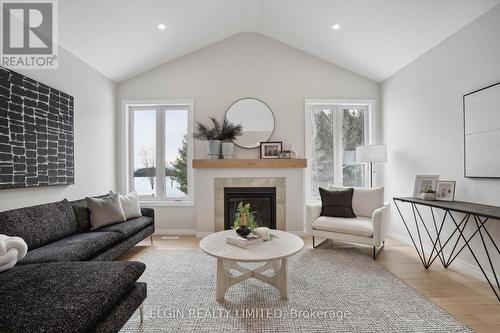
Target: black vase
(243, 230)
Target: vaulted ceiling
(376, 37)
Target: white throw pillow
(105, 211)
(130, 205)
(12, 250)
(365, 200)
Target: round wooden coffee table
(272, 253)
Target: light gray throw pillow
(130, 205)
(105, 211)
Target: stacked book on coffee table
(244, 242)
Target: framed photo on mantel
(270, 150)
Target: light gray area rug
(330, 290)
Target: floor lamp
(371, 154)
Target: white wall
(246, 65)
(423, 119)
(95, 134)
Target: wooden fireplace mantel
(297, 163)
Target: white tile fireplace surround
(210, 185)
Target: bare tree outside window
(147, 156)
(144, 152)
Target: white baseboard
(202, 234)
(459, 264)
(175, 232)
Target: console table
(476, 214)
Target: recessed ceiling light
(162, 26)
(336, 26)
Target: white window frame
(127, 161)
(369, 134)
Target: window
(160, 151)
(333, 131)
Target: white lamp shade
(371, 153)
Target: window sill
(153, 203)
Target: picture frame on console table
(445, 190)
(270, 149)
(423, 181)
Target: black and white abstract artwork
(36, 133)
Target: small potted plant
(211, 135)
(216, 134)
(229, 132)
(428, 193)
(244, 220)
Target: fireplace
(262, 201)
(220, 184)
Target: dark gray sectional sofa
(65, 284)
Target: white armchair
(368, 227)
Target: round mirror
(256, 118)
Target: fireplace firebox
(262, 202)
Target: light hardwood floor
(468, 298)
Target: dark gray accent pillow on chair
(337, 203)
